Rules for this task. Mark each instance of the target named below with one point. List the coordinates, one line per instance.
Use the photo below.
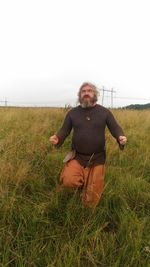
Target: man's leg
(72, 174)
(93, 185)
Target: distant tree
(138, 106)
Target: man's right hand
(54, 139)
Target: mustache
(86, 96)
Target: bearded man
(85, 166)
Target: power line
(132, 98)
(7, 103)
(4, 101)
(106, 90)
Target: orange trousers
(89, 179)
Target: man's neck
(88, 107)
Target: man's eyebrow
(90, 89)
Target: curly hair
(94, 88)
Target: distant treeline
(138, 106)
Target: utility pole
(110, 91)
(103, 90)
(5, 101)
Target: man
(85, 166)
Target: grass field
(42, 227)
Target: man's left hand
(122, 140)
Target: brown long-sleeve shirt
(89, 133)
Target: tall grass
(40, 226)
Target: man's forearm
(64, 130)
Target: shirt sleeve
(64, 130)
(113, 126)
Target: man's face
(87, 96)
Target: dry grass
(42, 227)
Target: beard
(87, 101)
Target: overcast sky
(49, 48)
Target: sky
(49, 48)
